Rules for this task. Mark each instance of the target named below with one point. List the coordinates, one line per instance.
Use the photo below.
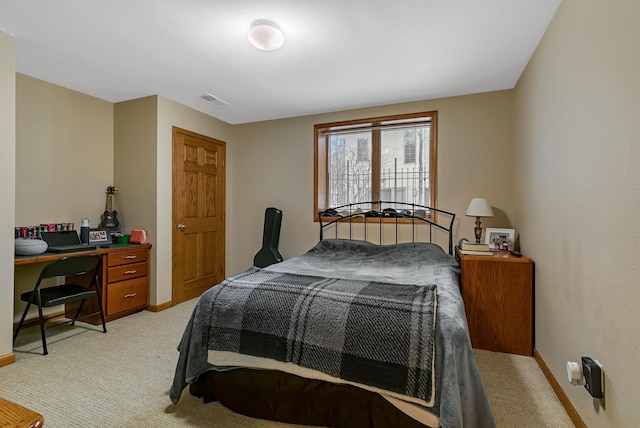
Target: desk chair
(68, 292)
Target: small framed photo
(497, 238)
(99, 236)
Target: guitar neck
(109, 205)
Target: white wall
(7, 190)
(577, 160)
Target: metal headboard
(385, 213)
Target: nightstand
(497, 291)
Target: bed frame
(340, 221)
(278, 396)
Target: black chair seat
(58, 295)
(67, 267)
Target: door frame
(174, 224)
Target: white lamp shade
(479, 207)
(266, 35)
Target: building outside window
(389, 159)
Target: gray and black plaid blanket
(372, 333)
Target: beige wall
(135, 169)
(143, 158)
(577, 196)
(64, 155)
(8, 188)
(274, 167)
(569, 185)
(268, 164)
(63, 164)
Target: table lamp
(479, 207)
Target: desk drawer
(127, 295)
(121, 273)
(127, 257)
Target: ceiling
(338, 54)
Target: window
(389, 158)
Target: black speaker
(269, 254)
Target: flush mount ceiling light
(266, 35)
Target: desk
(124, 280)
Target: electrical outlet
(592, 373)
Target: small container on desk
(123, 239)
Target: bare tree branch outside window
(377, 159)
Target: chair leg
(104, 324)
(24, 315)
(99, 295)
(42, 334)
(73, 321)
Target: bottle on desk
(84, 231)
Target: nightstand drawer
(127, 295)
(121, 273)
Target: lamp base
(478, 230)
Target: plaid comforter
(371, 333)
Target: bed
(366, 329)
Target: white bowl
(30, 247)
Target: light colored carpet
(519, 393)
(122, 379)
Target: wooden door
(198, 214)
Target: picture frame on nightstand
(496, 238)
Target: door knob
(181, 227)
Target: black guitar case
(269, 254)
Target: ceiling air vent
(213, 99)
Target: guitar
(110, 215)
